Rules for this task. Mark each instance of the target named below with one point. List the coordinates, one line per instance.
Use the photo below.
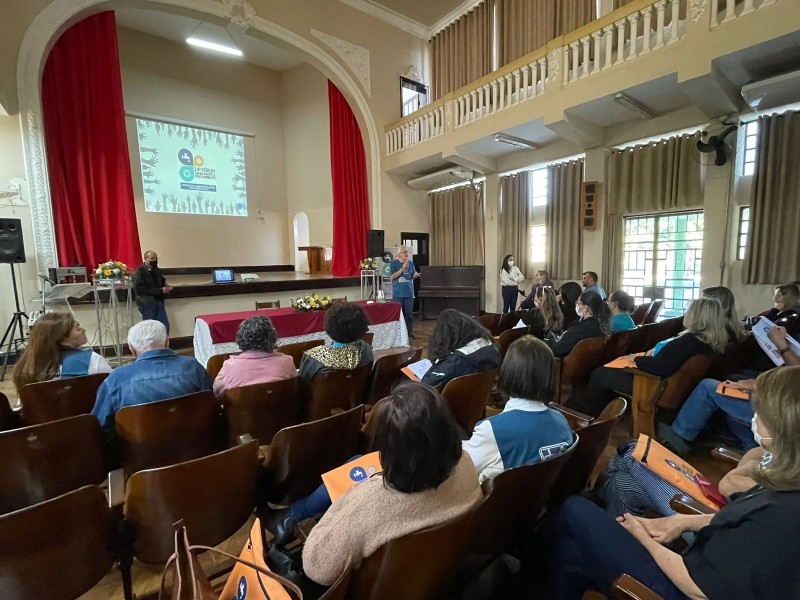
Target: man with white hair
(156, 374)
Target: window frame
(741, 236)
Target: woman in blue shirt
(621, 305)
(403, 274)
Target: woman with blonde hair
(747, 550)
(54, 352)
(705, 334)
(547, 315)
(732, 321)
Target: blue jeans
(157, 312)
(316, 503)
(407, 304)
(509, 298)
(703, 402)
(592, 550)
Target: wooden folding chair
(640, 312)
(386, 372)
(368, 337)
(490, 321)
(9, 419)
(576, 368)
(652, 314)
(466, 397)
(338, 591)
(58, 399)
(627, 588)
(335, 390)
(297, 349)
(215, 362)
(262, 409)
(508, 337)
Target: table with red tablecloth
(216, 334)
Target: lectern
(319, 258)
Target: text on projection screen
(191, 170)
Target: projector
(247, 277)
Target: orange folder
(341, 479)
(410, 374)
(726, 389)
(623, 362)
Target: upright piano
(450, 287)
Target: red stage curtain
(87, 147)
(349, 178)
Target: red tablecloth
(290, 323)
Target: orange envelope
(341, 479)
(726, 389)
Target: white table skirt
(387, 335)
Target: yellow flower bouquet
(112, 269)
(312, 302)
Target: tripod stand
(15, 327)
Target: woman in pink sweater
(258, 362)
(426, 480)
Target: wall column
(491, 231)
(595, 168)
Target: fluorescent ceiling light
(634, 106)
(514, 141)
(193, 41)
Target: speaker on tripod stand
(12, 251)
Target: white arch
(60, 15)
(301, 238)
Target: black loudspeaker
(375, 243)
(12, 250)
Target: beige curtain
(457, 226)
(515, 219)
(564, 251)
(773, 251)
(462, 51)
(660, 176)
(524, 26)
(574, 14)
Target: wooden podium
(319, 258)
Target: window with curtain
(564, 244)
(457, 226)
(514, 218)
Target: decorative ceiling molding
(391, 17)
(239, 12)
(454, 14)
(355, 57)
(697, 8)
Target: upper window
(538, 241)
(539, 185)
(744, 227)
(414, 95)
(750, 145)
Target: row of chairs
(647, 313)
(216, 494)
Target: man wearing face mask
(149, 286)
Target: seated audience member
(590, 284)
(704, 402)
(748, 550)
(459, 346)
(258, 362)
(733, 323)
(156, 374)
(546, 316)
(568, 295)
(345, 324)
(594, 315)
(787, 297)
(540, 280)
(427, 479)
(705, 334)
(621, 305)
(527, 431)
(54, 352)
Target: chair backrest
(640, 312)
(737, 356)
(669, 328)
(8, 418)
(168, 431)
(338, 590)
(512, 506)
(417, 566)
(626, 587)
(594, 439)
(508, 320)
(268, 304)
(652, 314)
(297, 349)
(214, 495)
(42, 461)
(466, 397)
(615, 346)
(577, 367)
(215, 362)
(640, 338)
(339, 299)
(58, 399)
(386, 373)
(491, 321)
(262, 410)
(791, 321)
(57, 549)
(508, 337)
(337, 389)
(680, 384)
(368, 337)
(300, 454)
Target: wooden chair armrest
(628, 588)
(116, 488)
(727, 455)
(686, 505)
(639, 373)
(576, 419)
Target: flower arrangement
(368, 264)
(312, 302)
(112, 269)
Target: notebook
(416, 371)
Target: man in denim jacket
(157, 374)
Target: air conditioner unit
(441, 178)
(772, 92)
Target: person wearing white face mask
(510, 278)
(746, 551)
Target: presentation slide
(191, 170)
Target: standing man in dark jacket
(150, 286)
